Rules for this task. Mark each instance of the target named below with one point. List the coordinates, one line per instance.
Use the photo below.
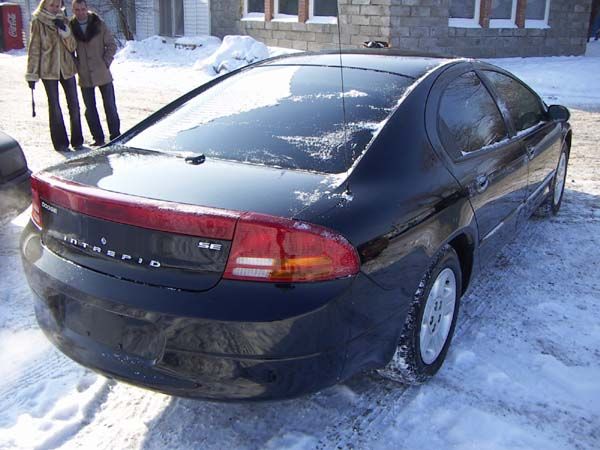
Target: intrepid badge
(110, 253)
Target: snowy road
(522, 372)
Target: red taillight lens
(137, 211)
(36, 211)
(267, 248)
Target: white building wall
(196, 16)
(146, 15)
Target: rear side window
(524, 107)
(468, 116)
(282, 116)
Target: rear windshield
(281, 116)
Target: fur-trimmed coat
(49, 54)
(96, 49)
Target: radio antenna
(346, 154)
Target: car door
(489, 164)
(540, 137)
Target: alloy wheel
(437, 316)
(559, 179)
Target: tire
(552, 203)
(427, 331)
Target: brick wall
(422, 25)
(361, 20)
(224, 17)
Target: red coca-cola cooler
(11, 27)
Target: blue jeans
(58, 132)
(110, 108)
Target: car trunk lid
(151, 218)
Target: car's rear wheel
(557, 187)
(429, 326)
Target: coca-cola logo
(12, 24)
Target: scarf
(48, 19)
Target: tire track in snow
(87, 411)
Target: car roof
(408, 64)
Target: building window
(464, 13)
(170, 17)
(323, 8)
(254, 9)
(499, 13)
(536, 13)
(285, 8)
(503, 14)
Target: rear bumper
(238, 341)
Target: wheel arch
(464, 246)
(568, 139)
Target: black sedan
(283, 227)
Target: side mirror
(558, 113)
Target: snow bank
(234, 52)
(161, 51)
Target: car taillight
(267, 248)
(36, 211)
(143, 212)
(264, 248)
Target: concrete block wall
(225, 17)
(360, 20)
(423, 25)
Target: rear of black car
(176, 299)
(194, 278)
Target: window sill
(285, 18)
(502, 23)
(323, 19)
(540, 24)
(258, 17)
(463, 23)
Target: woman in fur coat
(50, 58)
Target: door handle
(481, 183)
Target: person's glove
(60, 24)
(31, 85)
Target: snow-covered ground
(523, 370)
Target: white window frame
(252, 15)
(467, 23)
(537, 23)
(506, 23)
(318, 19)
(283, 17)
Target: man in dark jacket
(96, 49)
